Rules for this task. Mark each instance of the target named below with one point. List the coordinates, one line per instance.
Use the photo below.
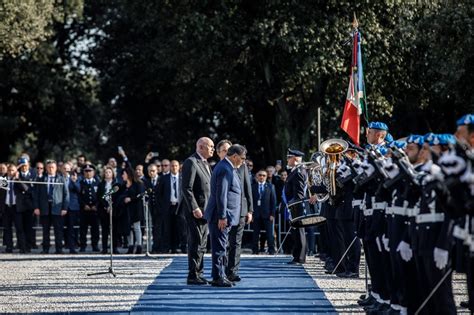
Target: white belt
(430, 218)
(396, 210)
(379, 205)
(413, 212)
(356, 203)
(369, 212)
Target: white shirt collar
(230, 162)
(202, 158)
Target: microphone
(145, 193)
(114, 189)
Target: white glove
(405, 251)
(379, 243)
(440, 257)
(385, 243)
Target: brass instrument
(322, 169)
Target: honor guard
(89, 215)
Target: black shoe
(234, 278)
(59, 252)
(139, 250)
(464, 304)
(197, 281)
(9, 250)
(221, 282)
(82, 250)
(72, 251)
(382, 308)
(367, 301)
(294, 262)
(34, 246)
(347, 274)
(45, 251)
(22, 251)
(184, 250)
(95, 249)
(116, 251)
(174, 251)
(130, 250)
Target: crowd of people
(69, 197)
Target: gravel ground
(59, 283)
(344, 293)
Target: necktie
(10, 194)
(261, 190)
(50, 188)
(175, 188)
(206, 163)
(153, 182)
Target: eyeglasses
(262, 175)
(40, 168)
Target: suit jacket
(246, 184)
(164, 192)
(74, 189)
(24, 193)
(267, 200)
(60, 196)
(196, 184)
(226, 195)
(88, 193)
(153, 200)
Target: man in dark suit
(151, 184)
(195, 189)
(294, 190)
(89, 215)
(223, 209)
(264, 211)
(169, 196)
(50, 202)
(24, 206)
(236, 232)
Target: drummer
(295, 189)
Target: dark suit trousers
(266, 224)
(299, 244)
(89, 218)
(105, 229)
(197, 241)
(235, 247)
(23, 226)
(57, 222)
(165, 229)
(8, 221)
(219, 240)
(72, 219)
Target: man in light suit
(264, 211)
(223, 210)
(195, 189)
(50, 202)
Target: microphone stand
(147, 225)
(111, 267)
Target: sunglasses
(87, 170)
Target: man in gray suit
(50, 202)
(195, 191)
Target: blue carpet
(268, 285)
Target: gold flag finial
(355, 24)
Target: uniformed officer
(294, 190)
(89, 215)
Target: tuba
(322, 169)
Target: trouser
(219, 241)
(8, 221)
(89, 218)
(23, 226)
(165, 229)
(323, 240)
(346, 231)
(377, 269)
(333, 242)
(409, 286)
(137, 232)
(155, 229)
(72, 220)
(299, 244)
(311, 239)
(257, 225)
(442, 301)
(174, 230)
(235, 247)
(197, 243)
(58, 223)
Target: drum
(302, 215)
